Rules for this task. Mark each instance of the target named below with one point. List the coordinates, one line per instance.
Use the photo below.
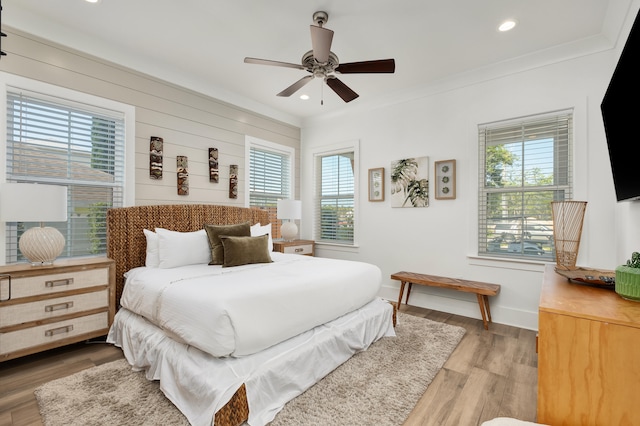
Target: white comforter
(242, 310)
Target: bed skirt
(264, 381)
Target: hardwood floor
(490, 374)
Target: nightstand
(43, 307)
(305, 247)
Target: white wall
(442, 124)
(189, 122)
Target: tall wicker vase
(567, 230)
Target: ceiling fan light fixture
(320, 62)
(304, 97)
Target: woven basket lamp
(568, 217)
(29, 202)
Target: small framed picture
(445, 175)
(376, 184)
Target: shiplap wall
(190, 123)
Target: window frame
(489, 243)
(48, 92)
(317, 154)
(279, 149)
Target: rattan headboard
(127, 245)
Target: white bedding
(200, 384)
(242, 310)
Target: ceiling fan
(321, 62)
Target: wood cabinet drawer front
(301, 249)
(43, 334)
(51, 308)
(54, 283)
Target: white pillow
(153, 257)
(257, 230)
(182, 248)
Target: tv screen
(621, 116)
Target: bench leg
(483, 301)
(408, 293)
(486, 306)
(402, 283)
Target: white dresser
(43, 307)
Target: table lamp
(290, 210)
(34, 202)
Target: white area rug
(379, 386)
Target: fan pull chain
(322, 94)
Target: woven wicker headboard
(127, 245)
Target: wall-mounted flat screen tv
(621, 115)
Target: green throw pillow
(245, 250)
(215, 231)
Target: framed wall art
(445, 176)
(376, 184)
(410, 182)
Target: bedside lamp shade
(290, 210)
(28, 202)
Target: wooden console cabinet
(588, 355)
(43, 307)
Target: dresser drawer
(301, 249)
(55, 283)
(51, 308)
(49, 333)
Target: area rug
(378, 386)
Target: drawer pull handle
(2, 278)
(60, 330)
(59, 306)
(298, 250)
(57, 283)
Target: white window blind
(269, 180)
(59, 142)
(524, 165)
(335, 208)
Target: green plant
(634, 262)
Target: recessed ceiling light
(507, 25)
(304, 97)
(92, 1)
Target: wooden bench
(482, 290)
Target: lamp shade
(289, 209)
(33, 202)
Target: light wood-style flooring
(490, 374)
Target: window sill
(501, 262)
(348, 248)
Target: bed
(253, 342)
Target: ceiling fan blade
(377, 66)
(341, 89)
(273, 63)
(296, 86)
(321, 39)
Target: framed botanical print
(445, 175)
(376, 184)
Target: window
(270, 177)
(524, 165)
(60, 142)
(335, 206)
